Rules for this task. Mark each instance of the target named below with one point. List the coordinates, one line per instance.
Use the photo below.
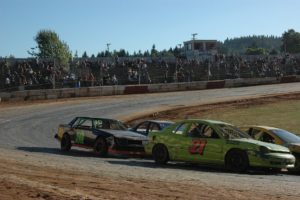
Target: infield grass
(285, 115)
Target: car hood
(125, 134)
(272, 147)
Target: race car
(100, 134)
(277, 136)
(218, 143)
(147, 126)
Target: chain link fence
(28, 74)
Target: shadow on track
(72, 153)
(190, 167)
(142, 162)
(56, 151)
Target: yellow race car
(277, 136)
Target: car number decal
(79, 137)
(197, 147)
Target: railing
(159, 73)
(155, 80)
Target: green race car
(215, 142)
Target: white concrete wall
(119, 89)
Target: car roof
(160, 121)
(262, 127)
(97, 118)
(206, 120)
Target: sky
(88, 25)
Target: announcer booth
(194, 49)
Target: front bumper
(272, 160)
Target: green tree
(101, 54)
(166, 53)
(121, 53)
(84, 55)
(139, 54)
(291, 41)
(51, 47)
(273, 52)
(154, 52)
(107, 54)
(241, 44)
(146, 54)
(256, 51)
(176, 51)
(76, 54)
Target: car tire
(100, 147)
(274, 170)
(160, 154)
(296, 169)
(297, 165)
(237, 161)
(65, 143)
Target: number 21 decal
(197, 147)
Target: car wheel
(65, 143)
(237, 161)
(296, 169)
(297, 164)
(160, 154)
(274, 170)
(100, 147)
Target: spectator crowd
(43, 74)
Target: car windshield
(232, 132)
(117, 125)
(286, 136)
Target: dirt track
(29, 176)
(32, 167)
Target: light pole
(139, 66)
(194, 35)
(108, 44)
(193, 47)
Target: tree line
(289, 42)
(123, 53)
(50, 46)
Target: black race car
(102, 135)
(150, 126)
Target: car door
(176, 141)
(83, 131)
(202, 144)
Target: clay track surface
(32, 167)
